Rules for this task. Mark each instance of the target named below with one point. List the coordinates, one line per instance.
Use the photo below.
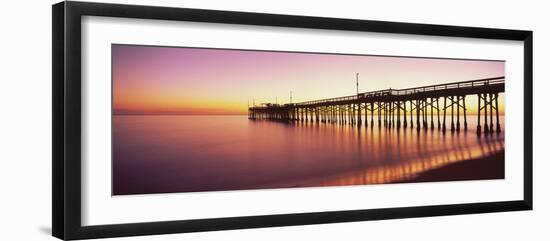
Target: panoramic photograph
(189, 119)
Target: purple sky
(211, 81)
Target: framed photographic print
(170, 120)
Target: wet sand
(490, 167)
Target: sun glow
(196, 81)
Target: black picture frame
(66, 157)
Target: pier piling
(391, 106)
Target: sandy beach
(490, 167)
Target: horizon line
(467, 114)
(173, 114)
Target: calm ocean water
(159, 154)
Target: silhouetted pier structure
(425, 107)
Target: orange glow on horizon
(194, 81)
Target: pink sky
(169, 80)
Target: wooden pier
(426, 107)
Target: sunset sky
(194, 81)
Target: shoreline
(485, 168)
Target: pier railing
(462, 85)
(419, 106)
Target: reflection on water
(156, 154)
